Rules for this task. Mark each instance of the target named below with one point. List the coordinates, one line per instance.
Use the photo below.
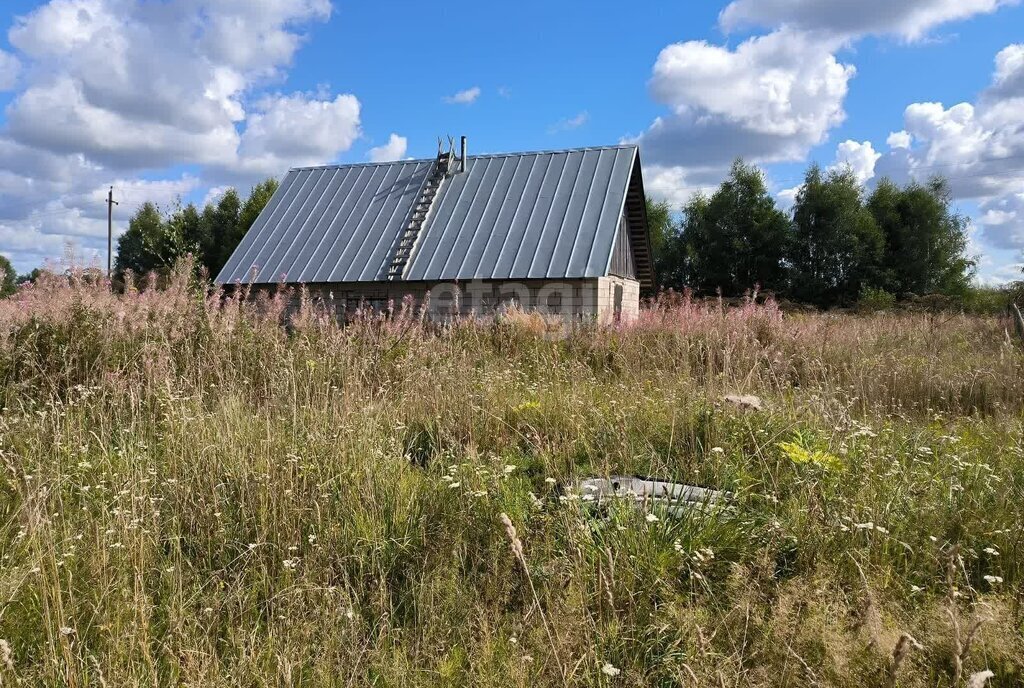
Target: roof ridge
(514, 154)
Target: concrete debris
(677, 497)
(746, 402)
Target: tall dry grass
(192, 494)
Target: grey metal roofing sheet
(511, 216)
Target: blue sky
(180, 98)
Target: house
(556, 231)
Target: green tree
(737, 238)
(149, 244)
(222, 225)
(925, 240)
(668, 256)
(31, 276)
(259, 196)
(156, 241)
(8, 283)
(187, 223)
(836, 247)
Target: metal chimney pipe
(462, 160)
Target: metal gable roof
(512, 216)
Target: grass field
(192, 495)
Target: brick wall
(609, 299)
(576, 298)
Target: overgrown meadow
(192, 494)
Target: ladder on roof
(425, 202)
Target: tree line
(156, 240)
(837, 245)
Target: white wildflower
(610, 669)
(979, 679)
(717, 450)
(651, 518)
(550, 481)
(6, 655)
(993, 580)
(509, 469)
(991, 551)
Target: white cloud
(1002, 221)
(570, 123)
(860, 158)
(999, 275)
(214, 194)
(466, 97)
(787, 197)
(1009, 64)
(59, 117)
(899, 139)
(256, 35)
(103, 87)
(977, 147)
(771, 99)
(394, 149)
(114, 89)
(252, 36)
(910, 19)
(297, 130)
(78, 216)
(677, 184)
(10, 68)
(1008, 81)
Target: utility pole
(110, 233)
